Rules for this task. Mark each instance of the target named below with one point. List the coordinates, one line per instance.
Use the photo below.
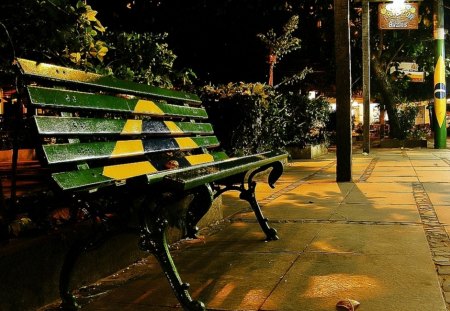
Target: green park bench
(141, 146)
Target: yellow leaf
(90, 15)
(103, 50)
(75, 57)
(99, 26)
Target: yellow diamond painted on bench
(186, 143)
(132, 127)
(173, 128)
(128, 170)
(199, 159)
(147, 107)
(127, 147)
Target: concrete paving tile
(117, 306)
(284, 209)
(384, 163)
(433, 176)
(429, 163)
(356, 196)
(393, 179)
(393, 171)
(443, 213)
(434, 169)
(151, 291)
(383, 187)
(310, 164)
(240, 282)
(438, 192)
(313, 193)
(249, 238)
(377, 212)
(230, 281)
(370, 239)
(329, 189)
(318, 281)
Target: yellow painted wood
(132, 127)
(147, 106)
(199, 159)
(127, 147)
(186, 143)
(173, 128)
(128, 170)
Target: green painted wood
(197, 176)
(109, 83)
(60, 126)
(73, 100)
(66, 153)
(81, 180)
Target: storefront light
(396, 7)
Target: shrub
(407, 117)
(306, 120)
(251, 118)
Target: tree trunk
(272, 59)
(387, 97)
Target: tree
(67, 34)
(389, 47)
(279, 46)
(73, 36)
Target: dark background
(217, 39)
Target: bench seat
(101, 138)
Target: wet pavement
(381, 240)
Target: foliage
(407, 116)
(67, 34)
(280, 45)
(254, 117)
(146, 58)
(294, 80)
(82, 46)
(243, 115)
(419, 132)
(306, 120)
(73, 36)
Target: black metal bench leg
(68, 301)
(249, 196)
(153, 239)
(203, 198)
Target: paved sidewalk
(381, 240)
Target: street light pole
(440, 97)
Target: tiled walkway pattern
(381, 240)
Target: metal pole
(343, 91)
(440, 97)
(366, 74)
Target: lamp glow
(396, 8)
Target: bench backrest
(95, 131)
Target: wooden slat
(75, 101)
(61, 126)
(196, 176)
(66, 153)
(108, 83)
(105, 176)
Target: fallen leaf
(347, 305)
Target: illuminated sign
(398, 16)
(410, 70)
